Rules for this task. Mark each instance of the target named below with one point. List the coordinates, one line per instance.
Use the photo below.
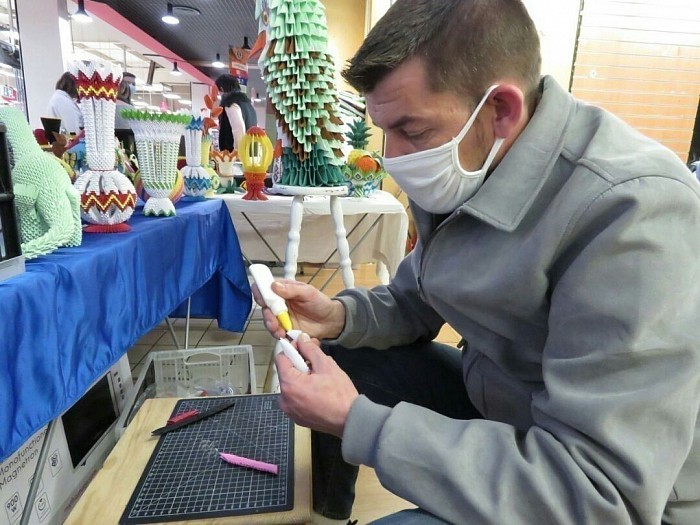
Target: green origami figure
(300, 78)
(48, 206)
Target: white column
(44, 31)
(198, 91)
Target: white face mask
(434, 178)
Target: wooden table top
(108, 493)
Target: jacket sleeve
(389, 315)
(615, 420)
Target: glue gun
(264, 279)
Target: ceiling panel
(197, 38)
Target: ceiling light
(171, 95)
(176, 72)
(169, 17)
(218, 63)
(81, 15)
(154, 88)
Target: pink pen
(250, 463)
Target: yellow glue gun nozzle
(285, 321)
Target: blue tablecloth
(73, 313)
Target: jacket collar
(233, 97)
(510, 190)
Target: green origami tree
(299, 74)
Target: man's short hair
(226, 83)
(465, 45)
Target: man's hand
(319, 400)
(311, 311)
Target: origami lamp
(255, 152)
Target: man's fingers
(272, 324)
(309, 350)
(256, 295)
(283, 364)
(290, 289)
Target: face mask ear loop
(474, 114)
(492, 154)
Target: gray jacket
(572, 275)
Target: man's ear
(508, 101)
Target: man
(127, 89)
(561, 244)
(129, 81)
(238, 115)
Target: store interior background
(47, 38)
(638, 58)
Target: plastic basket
(224, 370)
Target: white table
(377, 228)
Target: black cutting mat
(185, 479)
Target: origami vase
(364, 174)
(197, 179)
(206, 162)
(225, 167)
(107, 196)
(226, 172)
(157, 137)
(206, 151)
(176, 194)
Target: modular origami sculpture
(157, 137)
(48, 206)
(107, 196)
(364, 170)
(197, 179)
(299, 74)
(255, 151)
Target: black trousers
(428, 374)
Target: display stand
(377, 229)
(295, 218)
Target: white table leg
(274, 385)
(342, 242)
(383, 273)
(295, 215)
